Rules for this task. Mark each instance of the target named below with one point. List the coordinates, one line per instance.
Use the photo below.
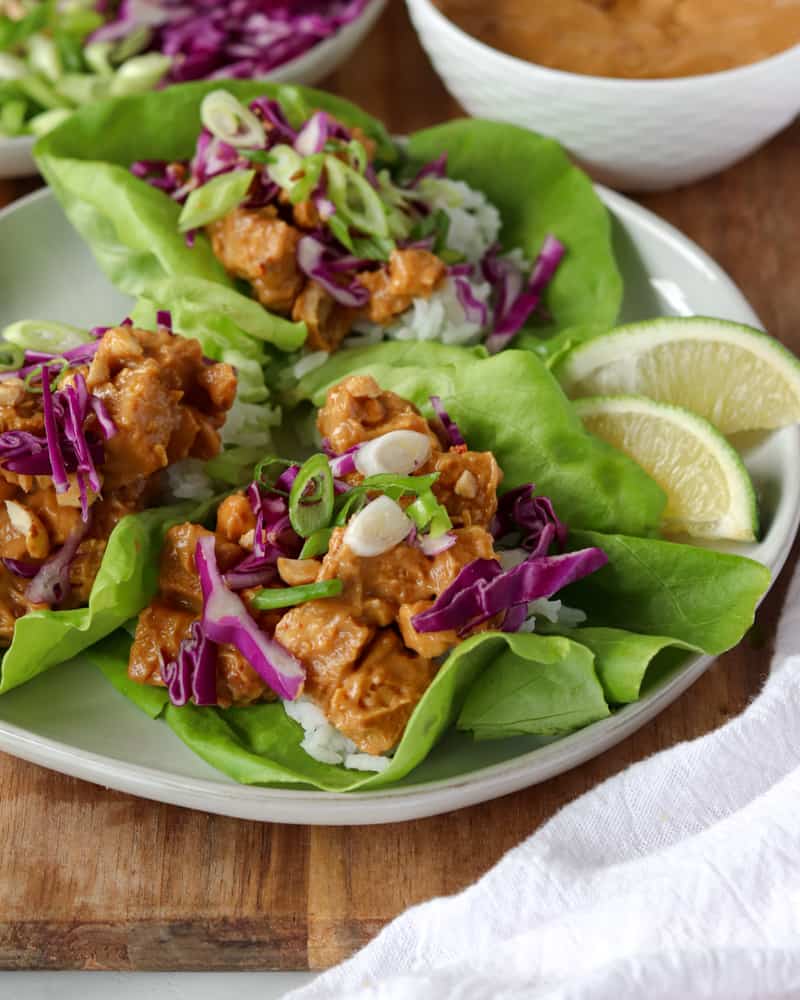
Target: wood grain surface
(92, 878)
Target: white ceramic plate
(71, 720)
(16, 158)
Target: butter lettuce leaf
(126, 581)
(260, 744)
(703, 598)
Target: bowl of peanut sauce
(645, 94)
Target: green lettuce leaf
(700, 597)
(510, 404)
(260, 744)
(126, 581)
(624, 659)
(538, 191)
(540, 685)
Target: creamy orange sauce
(639, 39)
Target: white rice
(325, 743)
(187, 480)
(247, 424)
(555, 612)
(474, 221)
(439, 317)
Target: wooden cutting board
(91, 878)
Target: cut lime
(735, 376)
(709, 492)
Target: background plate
(71, 720)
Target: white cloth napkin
(678, 878)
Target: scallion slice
(316, 544)
(11, 357)
(287, 597)
(311, 497)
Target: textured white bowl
(16, 158)
(632, 134)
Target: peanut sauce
(634, 39)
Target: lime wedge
(709, 492)
(735, 376)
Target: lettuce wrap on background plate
(349, 609)
(290, 215)
(99, 432)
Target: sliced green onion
(48, 120)
(285, 167)
(82, 88)
(45, 335)
(338, 227)
(132, 44)
(215, 198)
(269, 470)
(311, 171)
(11, 357)
(11, 68)
(42, 92)
(140, 74)
(357, 155)
(257, 155)
(355, 198)
(389, 483)
(12, 116)
(373, 248)
(311, 510)
(427, 512)
(316, 544)
(43, 57)
(287, 597)
(36, 372)
(98, 58)
(229, 120)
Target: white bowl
(16, 159)
(16, 156)
(631, 134)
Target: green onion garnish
(11, 357)
(316, 544)
(427, 512)
(286, 597)
(311, 497)
(36, 373)
(269, 470)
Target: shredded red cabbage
(514, 305)
(226, 620)
(193, 672)
(454, 435)
(436, 168)
(21, 568)
(475, 311)
(65, 446)
(532, 517)
(229, 38)
(319, 128)
(483, 590)
(312, 261)
(51, 583)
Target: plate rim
(316, 807)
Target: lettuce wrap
(133, 228)
(653, 604)
(126, 581)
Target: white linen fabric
(678, 878)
